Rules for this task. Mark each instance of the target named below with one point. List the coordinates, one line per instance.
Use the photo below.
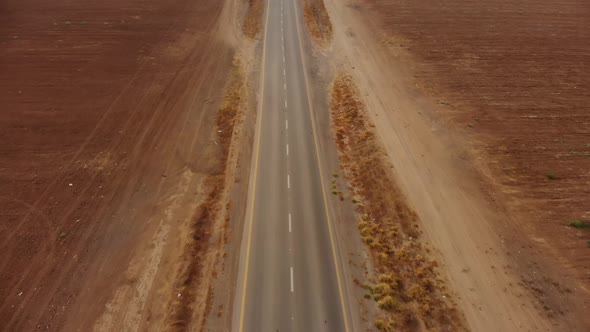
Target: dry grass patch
(409, 291)
(253, 20)
(317, 20)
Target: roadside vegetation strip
(253, 20)
(188, 287)
(317, 20)
(409, 290)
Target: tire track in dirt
(159, 118)
(92, 134)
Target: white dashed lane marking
(292, 289)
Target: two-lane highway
(288, 279)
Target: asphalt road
(288, 279)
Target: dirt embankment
(194, 278)
(409, 289)
(111, 159)
(317, 21)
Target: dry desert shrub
(253, 20)
(409, 290)
(317, 20)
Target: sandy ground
(110, 150)
(500, 280)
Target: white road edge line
(291, 279)
(289, 222)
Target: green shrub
(551, 176)
(578, 224)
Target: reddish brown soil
(103, 105)
(515, 76)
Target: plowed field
(105, 107)
(515, 75)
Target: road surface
(288, 278)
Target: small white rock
(70, 184)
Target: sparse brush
(388, 226)
(387, 303)
(365, 231)
(362, 224)
(420, 272)
(382, 289)
(389, 278)
(392, 234)
(368, 239)
(401, 254)
(416, 292)
(375, 245)
(383, 326)
(380, 325)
